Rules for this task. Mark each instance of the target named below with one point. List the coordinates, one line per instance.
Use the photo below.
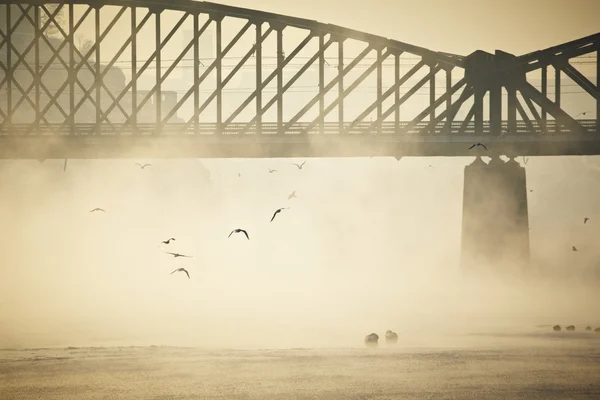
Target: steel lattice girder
(473, 87)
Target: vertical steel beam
(511, 112)
(432, 95)
(134, 94)
(448, 87)
(97, 67)
(341, 86)
(598, 90)
(397, 94)
(478, 110)
(557, 94)
(219, 68)
(379, 88)
(496, 109)
(545, 94)
(158, 92)
(322, 82)
(9, 68)
(258, 61)
(72, 73)
(280, 80)
(37, 77)
(196, 68)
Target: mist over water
(368, 245)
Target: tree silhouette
(51, 30)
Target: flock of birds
(237, 230)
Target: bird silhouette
(586, 219)
(167, 241)
(574, 248)
(238, 231)
(478, 144)
(97, 209)
(292, 195)
(181, 270)
(272, 170)
(277, 212)
(176, 254)
(299, 166)
(583, 113)
(143, 166)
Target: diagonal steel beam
(104, 115)
(468, 118)
(450, 112)
(382, 97)
(164, 76)
(559, 115)
(292, 80)
(211, 67)
(533, 111)
(231, 74)
(580, 79)
(86, 93)
(330, 85)
(525, 117)
(268, 80)
(436, 104)
(141, 71)
(408, 94)
(341, 97)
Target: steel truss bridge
(112, 94)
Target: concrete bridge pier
(495, 223)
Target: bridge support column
(495, 226)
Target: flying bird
(277, 212)
(181, 270)
(238, 231)
(574, 248)
(177, 254)
(97, 209)
(299, 166)
(143, 166)
(583, 113)
(478, 144)
(167, 241)
(272, 170)
(292, 195)
(585, 220)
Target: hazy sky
(458, 26)
(369, 245)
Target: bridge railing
(298, 128)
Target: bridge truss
(125, 80)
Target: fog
(370, 244)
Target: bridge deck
(170, 142)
